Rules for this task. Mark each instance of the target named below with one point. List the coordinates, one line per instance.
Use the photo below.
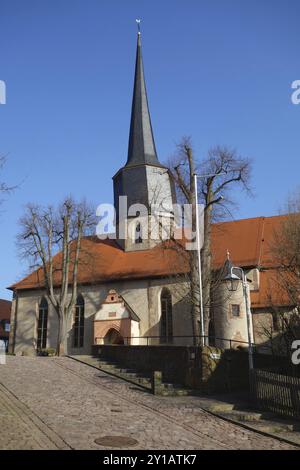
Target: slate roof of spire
(141, 147)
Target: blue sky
(220, 71)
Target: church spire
(141, 148)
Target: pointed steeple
(143, 180)
(141, 148)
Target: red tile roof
(104, 260)
(242, 238)
(248, 241)
(270, 291)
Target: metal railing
(176, 340)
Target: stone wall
(176, 363)
(207, 369)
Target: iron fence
(178, 340)
(275, 392)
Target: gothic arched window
(79, 322)
(42, 325)
(166, 320)
(138, 235)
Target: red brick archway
(113, 337)
(102, 328)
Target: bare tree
(284, 289)
(52, 238)
(4, 188)
(222, 171)
(182, 174)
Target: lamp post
(202, 332)
(199, 262)
(232, 281)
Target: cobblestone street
(58, 403)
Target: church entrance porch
(116, 322)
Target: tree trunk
(58, 338)
(194, 274)
(60, 349)
(195, 297)
(206, 268)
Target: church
(137, 291)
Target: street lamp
(232, 281)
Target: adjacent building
(5, 312)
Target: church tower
(143, 180)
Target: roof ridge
(250, 218)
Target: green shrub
(51, 351)
(46, 352)
(42, 352)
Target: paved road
(58, 403)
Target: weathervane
(138, 22)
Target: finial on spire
(138, 22)
(228, 254)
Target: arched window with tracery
(79, 322)
(42, 326)
(166, 318)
